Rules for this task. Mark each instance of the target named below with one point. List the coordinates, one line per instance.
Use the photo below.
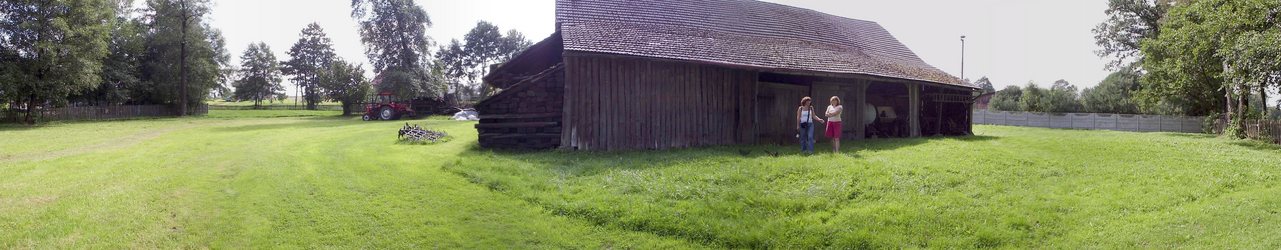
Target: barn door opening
(776, 111)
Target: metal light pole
(962, 57)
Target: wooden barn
(655, 74)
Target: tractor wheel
(366, 117)
(386, 113)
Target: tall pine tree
(309, 56)
(185, 57)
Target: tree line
(106, 52)
(1112, 95)
(1216, 58)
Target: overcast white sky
(1010, 41)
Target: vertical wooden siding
(620, 103)
(777, 103)
(525, 116)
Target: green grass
(324, 181)
(300, 182)
(1007, 187)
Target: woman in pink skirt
(834, 111)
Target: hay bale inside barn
(620, 75)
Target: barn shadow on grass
(1192, 135)
(1256, 145)
(589, 163)
(7, 127)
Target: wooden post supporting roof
(860, 103)
(914, 109)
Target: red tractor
(385, 106)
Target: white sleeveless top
(806, 117)
(835, 109)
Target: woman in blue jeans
(805, 118)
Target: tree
(468, 61)
(345, 83)
(481, 45)
(1063, 85)
(985, 84)
(1112, 95)
(395, 39)
(122, 68)
(1129, 23)
(1007, 99)
(1033, 99)
(513, 43)
(259, 75)
(185, 57)
(52, 49)
(307, 58)
(1252, 63)
(1186, 63)
(453, 60)
(1062, 98)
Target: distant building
(983, 101)
(654, 74)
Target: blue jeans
(806, 135)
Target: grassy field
(282, 179)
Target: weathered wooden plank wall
(526, 116)
(777, 103)
(622, 103)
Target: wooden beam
(518, 136)
(570, 53)
(860, 103)
(517, 125)
(938, 124)
(521, 116)
(914, 109)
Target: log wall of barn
(526, 116)
(624, 103)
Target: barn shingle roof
(741, 32)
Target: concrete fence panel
(1169, 123)
(1082, 121)
(1149, 123)
(1127, 122)
(1060, 121)
(1038, 120)
(1105, 121)
(997, 117)
(1192, 125)
(1092, 121)
(1017, 119)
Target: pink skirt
(833, 130)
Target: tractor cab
(386, 106)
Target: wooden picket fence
(101, 112)
(1264, 130)
(275, 107)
